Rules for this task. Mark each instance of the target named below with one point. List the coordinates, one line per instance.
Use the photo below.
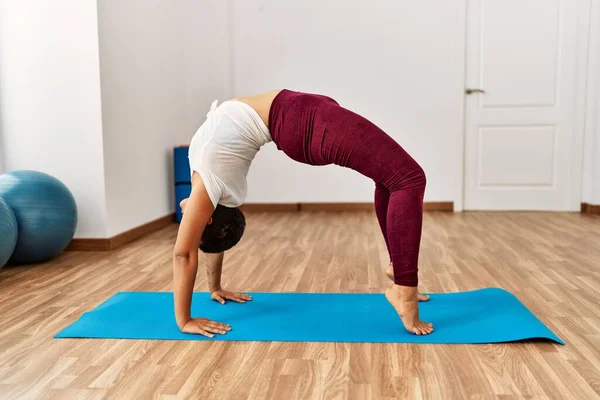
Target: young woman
(312, 129)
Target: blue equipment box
(183, 180)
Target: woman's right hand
(205, 327)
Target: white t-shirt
(223, 148)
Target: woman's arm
(214, 266)
(185, 261)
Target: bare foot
(404, 301)
(390, 274)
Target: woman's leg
(351, 141)
(382, 199)
(316, 130)
(404, 223)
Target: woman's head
(225, 231)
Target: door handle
(471, 91)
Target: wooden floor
(550, 261)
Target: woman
(312, 129)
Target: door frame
(592, 119)
(588, 18)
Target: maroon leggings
(316, 130)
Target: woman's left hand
(222, 296)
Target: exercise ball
(45, 211)
(8, 232)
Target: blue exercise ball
(8, 232)
(45, 211)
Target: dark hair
(225, 231)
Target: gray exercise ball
(45, 211)
(8, 232)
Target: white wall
(399, 63)
(595, 164)
(50, 99)
(591, 157)
(162, 63)
(142, 76)
(207, 60)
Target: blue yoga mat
(481, 316)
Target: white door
(523, 142)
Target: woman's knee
(420, 176)
(380, 187)
(411, 177)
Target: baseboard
(447, 206)
(266, 207)
(107, 244)
(590, 208)
(89, 245)
(334, 207)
